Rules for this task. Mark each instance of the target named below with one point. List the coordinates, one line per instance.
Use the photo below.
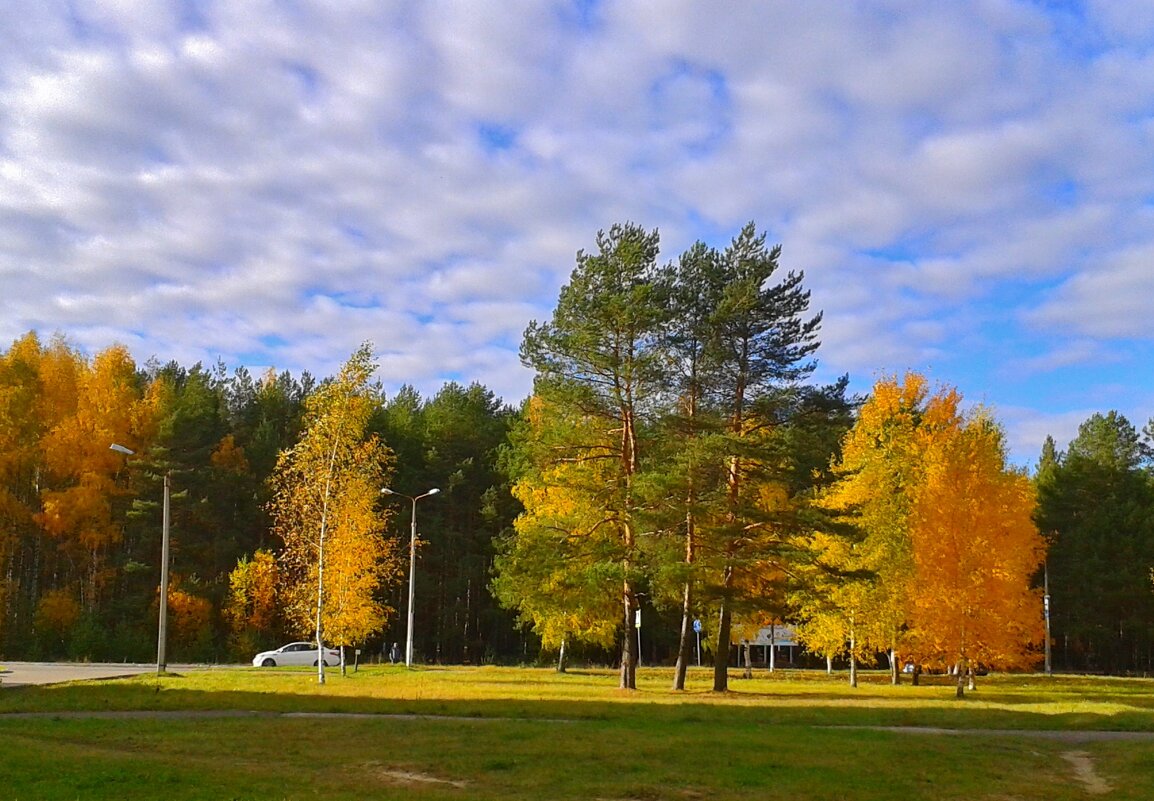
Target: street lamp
(162, 628)
(1046, 612)
(412, 564)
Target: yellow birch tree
(975, 549)
(325, 509)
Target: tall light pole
(162, 627)
(1046, 612)
(412, 564)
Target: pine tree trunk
(685, 643)
(721, 652)
(629, 646)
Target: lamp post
(412, 564)
(162, 627)
(1046, 612)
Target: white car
(296, 653)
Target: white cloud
(201, 180)
(1112, 300)
(1027, 429)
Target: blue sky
(968, 186)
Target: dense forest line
(81, 524)
(675, 465)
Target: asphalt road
(20, 674)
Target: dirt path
(1080, 762)
(1061, 735)
(1085, 774)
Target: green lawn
(518, 733)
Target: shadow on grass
(524, 693)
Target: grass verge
(493, 733)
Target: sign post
(637, 625)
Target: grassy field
(519, 733)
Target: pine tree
(598, 359)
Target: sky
(968, 185)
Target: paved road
(19, 674)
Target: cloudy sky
(968, 186)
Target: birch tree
(326, 494)
(975, 550)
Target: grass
(518, 733)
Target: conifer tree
(598, 359)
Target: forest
(675, 472)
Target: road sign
(697, 626)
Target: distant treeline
(80, 524)
(675, 472)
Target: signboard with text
(780, 634)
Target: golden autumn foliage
(975, 549)
(56, 613)
(252, 594)
(861, 585)
(325, 509)
(229, 456)
(59, 411)
(940, 569)
(561, 571)
(189, 616)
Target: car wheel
(326, 663)
(268, 663)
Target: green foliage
(599, 371)
(1096, 506)
(670, 418)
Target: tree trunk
(852, 660)
(745, 649)
(721, 652)
(828, 665)
(561, 666)
(895, 671)
(970, 682)
(685, 643)
(629, 646)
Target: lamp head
(121, 449)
